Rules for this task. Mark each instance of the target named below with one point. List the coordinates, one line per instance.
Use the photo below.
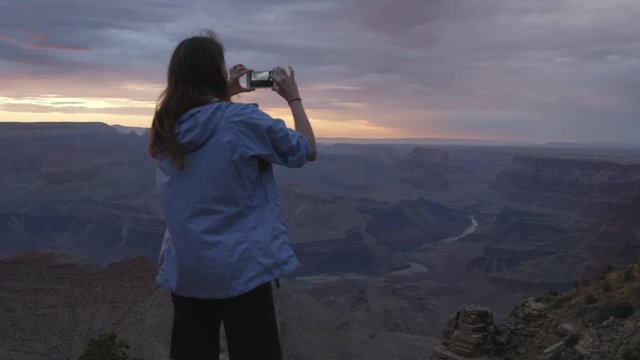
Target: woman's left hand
(235, 73)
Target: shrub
(606, 286)
(560, 301)
(106, 347)
(572, 340)
(632, 352)
(622, 310)
(590, 299)
(629, 274)
(581, 282)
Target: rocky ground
(371, 223)
(51, 304)
(597, 320)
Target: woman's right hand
(285, 83)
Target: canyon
(393, 238)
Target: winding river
(413, 268)
(468, 231)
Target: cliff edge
(596, 320)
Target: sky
(523, 70)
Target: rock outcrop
(567, 183)
(594, 321)
(468, 335)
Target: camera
(260, 79)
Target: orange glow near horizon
(131, 103)
(111, 119)
(138, 113)
(60, 102)
(322, 127)
(326, 126)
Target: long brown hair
(196, 77)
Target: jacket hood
(197, 125)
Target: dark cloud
(543, 70)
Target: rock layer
(468, 335)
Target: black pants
(249, 324)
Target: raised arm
(285, 85)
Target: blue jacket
(225, 232)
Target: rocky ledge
(469, 334)
(597, 320)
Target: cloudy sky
(533, 70)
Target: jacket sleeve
(257, 134)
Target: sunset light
(77, 103)
(319, 179)
(559, 71)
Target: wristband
(294, 99)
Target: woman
(225, 240)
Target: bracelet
(294, 99)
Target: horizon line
(404, 139)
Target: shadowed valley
(394, 238)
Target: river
(468, 231)
(413, 268)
